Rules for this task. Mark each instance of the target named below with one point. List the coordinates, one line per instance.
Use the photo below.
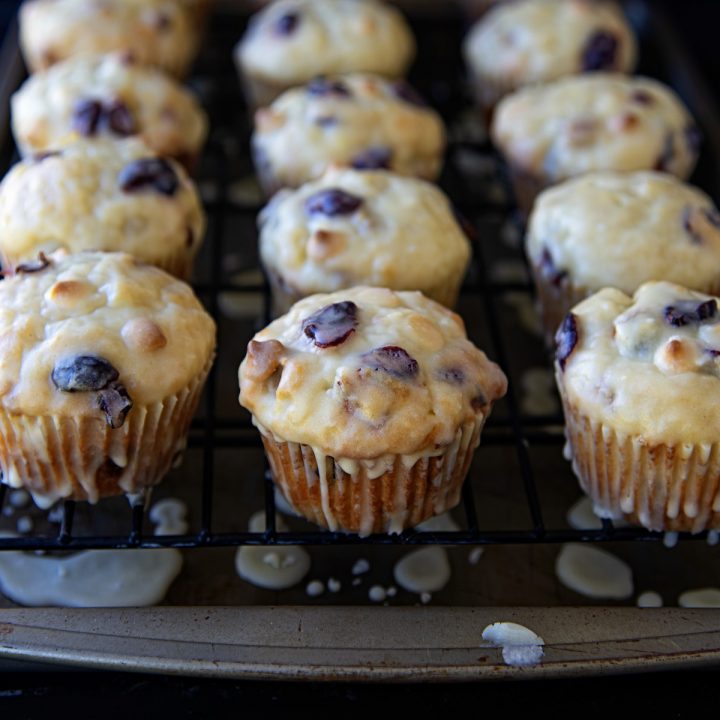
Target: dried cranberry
(332, 202)
(550, 271)
(390, 359)
(642, 97)
(599, 52)
(91, 116)
(149, 174)
(116, 403)
(322, 87)
(373, 159)
(86, 117)
(668, 152)
(408, 93)
(119, 118)
(32, 267)
(687, 312)
(566, 339)
(286, 24)
(332, 324)
(82, 373)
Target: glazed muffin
(292, 41)
(103, 363)
(534, 41)
(590, 122)
(640, 384)
(360, 121)
(355, 227)
(153, 32)
(101, 195)
(107, 95)
(620, 230)
(370, 404)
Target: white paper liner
(661, 487)
(57, 457)
(386, 494)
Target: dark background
(682, 694)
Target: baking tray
(515, 500)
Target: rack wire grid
(229, 276)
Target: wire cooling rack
(228, 278)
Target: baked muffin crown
(365, 372)
(359, 120)
(362, 227)
(139, 327)
(107, 95)
(623, 229)
(292, 41)
(597, 121)
(532, 41)
(647, 365)
(101, 195)
(155, 32)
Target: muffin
(370, 403)
(596, 121)
(361, 121)
(153, 32)
(640, 385)
(101, 195)
(103, 363)
(534, 41)
(355, 227)
(620, 230)
(97, 95)
(292, 41)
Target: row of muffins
(637, 376)
(369, 400)
(105, 357)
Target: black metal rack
(509, 426)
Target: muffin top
(99, 195)
(623, 229)
(365, 372)
(92, 95)
(532, 41)
(95, 333)
(596, 121)
(362, 227)
(154, 32)
(362, 121)
(647, 365)
(292, 41)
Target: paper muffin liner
(58, 457)
(386, 494)
(661, 487)
(555, 300)
(526, 186)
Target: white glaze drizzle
(593, 572)
(92, 578)
(649, 599)
(520, 645)
(423, 570)
(700, 598)
(273, 568)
